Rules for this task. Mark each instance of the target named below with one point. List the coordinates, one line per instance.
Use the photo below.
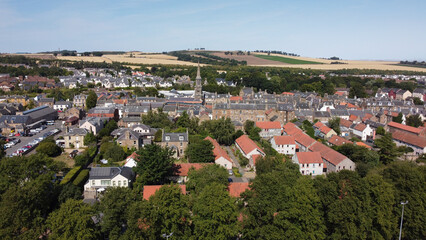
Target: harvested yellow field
(137, 58)
(87, 59)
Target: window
(167, 138)
(119, 183)
(105, 182)
(113, 183)
(124, 183)
(180, 138)
(134, 142)
(93, 182)
(181, 144)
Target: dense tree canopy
(200, 152)
(91, 100)
(155, 163)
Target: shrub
(71, 175)
(81, 178)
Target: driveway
(237, 164)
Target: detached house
(176, 141)
(284, 144)
(104, 177)
(220, 156)
(247, 147)
(362, 131)
(92, 124)
(74, 138)
(269, 129)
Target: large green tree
(408, 180)
(212, 173)
(200, 152)
(157, 119)
(221, 129)
(154, 165)
(73, 220)
(215, 214)
(91, 100)
(114, 203)
(334, 124)
(166, 212)
(414, 121)
(49, 147)
(388, 150)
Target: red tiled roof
(218, 151)
(340, 93)
(236, 98)
(367, 116)
(409, 138)
(327, 153)
(345, 123)
(363, 145)
(360, 127)
(288, 93)
(284, 140)
(324, 129)
(268, 125)
(352, 117)
(338, 140)
(318, 124)
(236, 188)
(303, 139)
(182, 169)
(405, 127)
(246, 144)
(149, 190)
(291, 129)
(309, 157)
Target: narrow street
(237, 164)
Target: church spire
(198, 71)
(198, 89)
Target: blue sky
(350, 29)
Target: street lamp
(402, 218)
(167, 236)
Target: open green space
(286, 60)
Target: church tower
(198, 91)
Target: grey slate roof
(174, 137)
(110, 172)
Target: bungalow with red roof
(333, 160)
(417, 143)
(284, 144)
(362, 131)
(220, 156)
(269, 129)
(149, 190)
(247, 147)
(310, 163)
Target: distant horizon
(354, 30)
(159, 52)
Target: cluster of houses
(279, 117)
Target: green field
(286, 60)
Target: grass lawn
(64, 157)
(286, 60)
